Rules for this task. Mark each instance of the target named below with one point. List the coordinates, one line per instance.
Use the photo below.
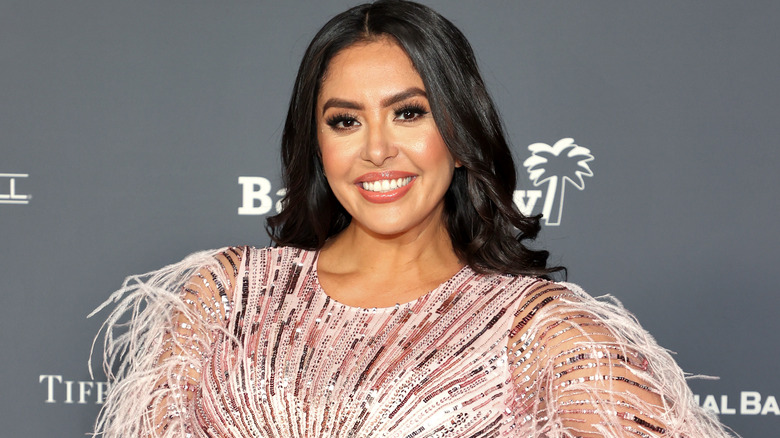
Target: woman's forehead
(370, 67)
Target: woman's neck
(357, 248)
(359, 268)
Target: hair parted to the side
(486, 228)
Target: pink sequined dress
(244, 342)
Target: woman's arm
(585, 368)
(167, 321)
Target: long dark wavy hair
(486, 228)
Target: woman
(401, 300)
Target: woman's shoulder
(234, 255)
(536, 289)
(563, 317)
(234, 260)
(547, 299)
(212, 274)
(265, 254)
(558, 293)
(543, 305)
(571, 298)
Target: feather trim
(162, 325)
(679, 416)
(155, 315)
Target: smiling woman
(375, 127)
(388, 166)
(485, 229)
(401, 300)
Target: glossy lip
(384, 197)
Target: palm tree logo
(550, 164)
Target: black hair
(486, 228)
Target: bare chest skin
(368, 274)
(372, 288)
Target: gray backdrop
(125, 127)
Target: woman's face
(381, 151)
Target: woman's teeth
(386, 185)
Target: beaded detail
(255, 347)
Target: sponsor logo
(553, 167)
(8, 194)
(550, 168)
(749, 403)
(59, 390)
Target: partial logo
(8, 190)
(750, 403)
(59, 390)
(256, 196)
(550, 168)
(553, 168)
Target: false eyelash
(335, 119)
(412, 107)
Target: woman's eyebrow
(335, 102)
(409, 92)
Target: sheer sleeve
(157, 335)
(584, 367)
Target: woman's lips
(384, 187)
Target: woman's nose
(379, 145)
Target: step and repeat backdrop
(134, 133)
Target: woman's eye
(410, 113)
(342, 122)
